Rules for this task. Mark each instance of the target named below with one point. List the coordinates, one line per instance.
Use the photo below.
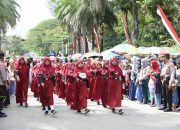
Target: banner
(125, 29)
(168, 25)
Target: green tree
(82, 16)
(8, 16)
(45, 36)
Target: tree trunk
(79, 44)
(135, 23)
(86, 44)
(0, 42)
(93, 39)
(102, 38)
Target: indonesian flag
(168, 25)
(97, 41)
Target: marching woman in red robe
(96, 95)
(92, 79)
(58, 78)
(35, 79)
(115, 87)
(70, 86)
(80, 93)
(88, 68)
(105, 80)
(47, 84)
(62, 84)
(37, 74)
(22, 75)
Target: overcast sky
(32, 12)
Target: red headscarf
(115, 68)
(105, 63)
(155, 66)
(155, 69)
(48, 70)
(22, 68)
(78, 69)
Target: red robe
(104, 87)
(114, 86)
(58, 79)
(22, 85)
(96, 95)
(92, 81)
(70, 87)
(48, 73)
(62, 85)
(80, 93)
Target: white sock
(52, 107)
(46, 108)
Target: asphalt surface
(136, 117)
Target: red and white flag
(97, 41)
(168, 25)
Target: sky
(32, 12)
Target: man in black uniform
(3, 82)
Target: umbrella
(141, 49)
(168, 50)
(151, 50)
(107, 55)
(92, 55)
(76, 56)
(125, 49)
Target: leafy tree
(45, 36)
(8, 16)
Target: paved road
(136, 117)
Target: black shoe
(46, 113)
(86, 111)
(98, 103)
(49, 108)
(43, 108)
(26, 105)
(104, 106)
(2, 115)
(113, 110)
(162, 108)
(53, 112)
(167, 110)
(21, 104)
(121, 112)
(79, 111)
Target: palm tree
(8, 16)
